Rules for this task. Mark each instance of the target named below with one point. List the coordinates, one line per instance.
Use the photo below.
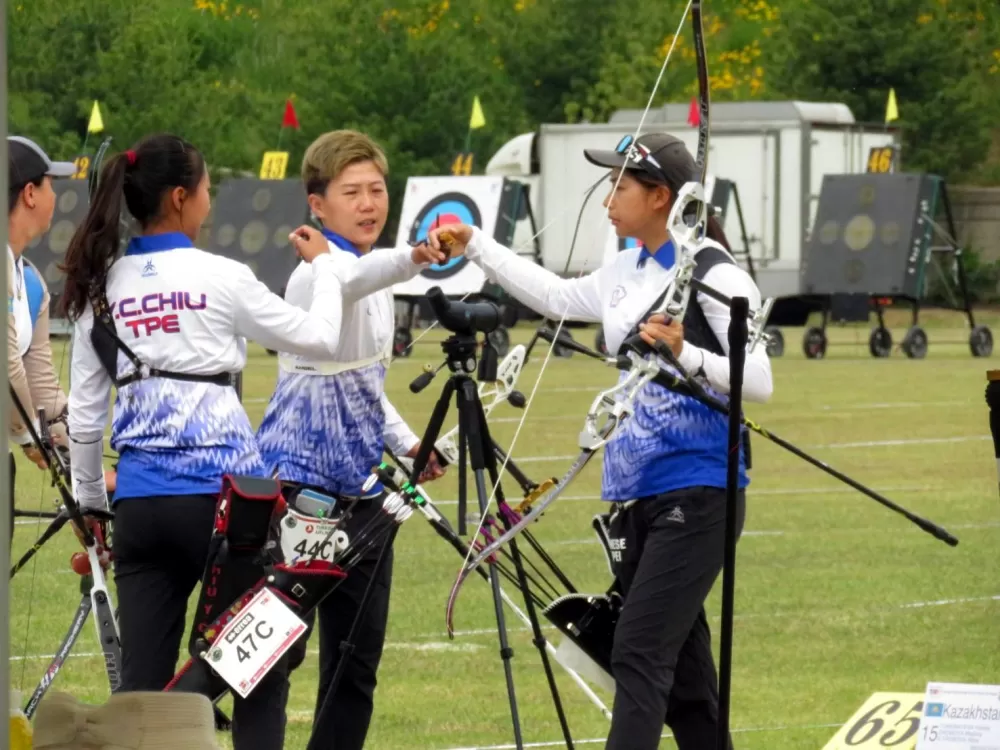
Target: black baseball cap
(660, 157)
(27, 162)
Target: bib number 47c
(253, 641)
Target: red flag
(693, 114)
(289, 120)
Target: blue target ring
(446, 208)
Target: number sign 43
(885, 720)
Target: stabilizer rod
(674, 383)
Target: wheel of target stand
(401, 342)
(814, 343)
(500, 338)
(599, 343)
(915, 343)
(776, 345)
(981, 341)
(880, 342)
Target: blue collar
(664, 255)
(156, 243)
(342, 242)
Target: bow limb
(489, 550)
(610, 409)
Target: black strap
(107, 345)
(705, 260)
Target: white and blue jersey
(183, 310)
(29, 353)
(329, 420)
(672, 441)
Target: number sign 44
(884, 720)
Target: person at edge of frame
(180, 429)
(665, 470)
(31, 202)
(328, 422)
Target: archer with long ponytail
(167, 323)
(97, 241)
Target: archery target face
(434, 201)
(449, 208)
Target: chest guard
(697, 330)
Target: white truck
(766, 165)
(776, 153)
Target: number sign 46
(885, 720)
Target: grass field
(837, 597)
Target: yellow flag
(477, 120)
(891, 110)
(96, 124)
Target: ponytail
(95, 243)
(714, 232)
(137, 180)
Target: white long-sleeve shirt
(329, 421)
(672, 441)
(183, 310)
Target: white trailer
(776, 153)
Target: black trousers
(344, 724)
(672, 553)
(161, 547)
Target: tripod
(473, 435)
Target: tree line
(219, 72)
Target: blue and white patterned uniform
(671, 441)
(183, 310)
(328, 421)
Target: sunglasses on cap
(637, 154)
(692, 212)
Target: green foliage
(219, 72)
(936, 54)
(982, 278)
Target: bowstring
(555, 337)
(38, 521)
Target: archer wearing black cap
(665, 466)
(30, 204)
